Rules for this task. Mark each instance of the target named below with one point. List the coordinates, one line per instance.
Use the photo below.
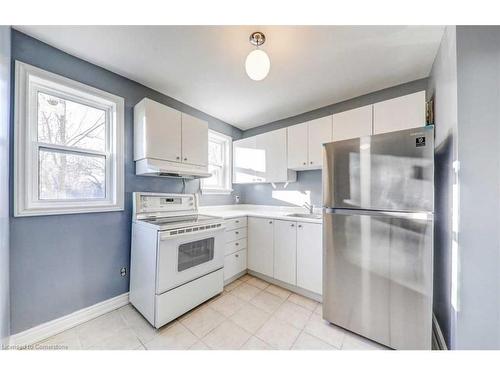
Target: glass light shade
(257, 65)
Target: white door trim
(53, 327)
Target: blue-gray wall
(60, 264)
(443, 86)
(310, 181)
(478, 86)
(4, 182)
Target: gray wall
(478, 83)
(311, 180)
(60, 264)
(4, 182)
(443, 85)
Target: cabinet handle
(185, 159)
(237, 221)
(237, 232)
(305, 163)
(300, 226)
(292, 225)
(178, 157)
(237, 255)
(270, 222)
(236, 244)
(311, 162)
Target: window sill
(216, 191)
(64, 210)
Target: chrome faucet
(309, 206)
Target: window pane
(70, 176)
(215, 153)
(216, 180)
(67, 123)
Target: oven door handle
(166, 236)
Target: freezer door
(392, 171)
(378, 275)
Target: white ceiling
(203, 66)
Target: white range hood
(163, 168)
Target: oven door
(185, 257)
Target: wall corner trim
(53, 327)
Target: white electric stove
(177, 256)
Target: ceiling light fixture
(257, 63)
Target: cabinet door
(310, 257)
(271, 164)
(244, 160)
(319, 131)
(234, 264)
(194, 140)
(261, 245)
(161, 131)
(405, 112)
(297, 146)
(285, 251)
(353, 124)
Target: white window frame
(228, 150)
(29, 80)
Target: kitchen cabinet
(353, 124)
(234, 264)
(157, 131)
(285, 251)
(261, 245)
(194, 140)
(262, 158)
(167, 135)
(298, 146)
(400, 113)
(305, 143)
(235, 259)
(310, 257)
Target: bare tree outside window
(72, 171)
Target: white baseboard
(48, 329)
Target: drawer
(234, 264)
(237, 222)
(237, 245)
(236, 234)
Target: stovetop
(181, 221)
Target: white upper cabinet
(298, 146)
(319, 132)
(352, 124)
(400, 113)
(262, 158)
(194, 140)
(168, 135)
(244, 160)
(157, 131)
(305, 143)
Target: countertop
(270, 212)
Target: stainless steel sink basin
(307, 216)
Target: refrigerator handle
(374, 213)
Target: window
(219, 164)
(68, 146)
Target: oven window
(193, 253)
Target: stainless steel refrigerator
(378, 198)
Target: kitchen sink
(307, 216)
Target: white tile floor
(249, 314)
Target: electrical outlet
(123, 272)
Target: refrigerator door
(393, 171)
(378, 275)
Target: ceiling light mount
(257, 38)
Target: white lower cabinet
(235, 263)
(310, 257)
(285, 254)
(261, 245)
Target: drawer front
(236, 234)
(237, 222)
(234, 246)
(235, 263)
